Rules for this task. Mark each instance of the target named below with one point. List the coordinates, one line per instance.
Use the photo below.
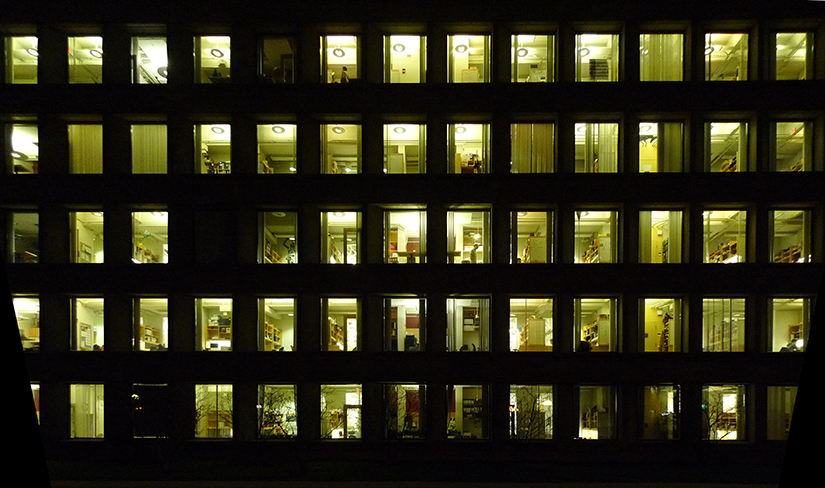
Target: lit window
(405, 148)
(405, 59)
(212, 59)
(150, 237)
(21, 64)
(723, 324)
(662, 319)
(531, 324)
(36, 398)
(468, 415)
(87, 324)
(723, 412)
(339, 59)
(661, 147)
(277, 149)
(531, 412)
(533, 148)
(278, 238)
(404, 410)
(404, 323)
(468, 148)
(405, 236)
(727, 147)
(25, 150)
(27, 311)
(85, 59)
(726, 57)
(595, 323)
(151, 61)
(791, 236)
(213, 317)
(213, 149)
(213, 411)
(340, 237)
(24, 238)
(468, 238)
(468, 58)
(87, 228)
(341, 149)
(149, 149)
(532, 235)
(276, 320)
(340, 324)
(793, 50)
(85, 148)
(725, 233)
(662, 410)
(151, 326)
(533, 58)
(790, 324)
(151, 415)
(468, 324)
(277, 412)
(597, 147)
(661, 57)
(781, 401)
(596, 236)
(597, 412)
(277, 60)
(340, 411)
(660, 236)
(597, 57)
(792, 149)
(87, 411)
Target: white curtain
(662, 58)
(86, 148)
(149, 149)
(608, 142)
(532, 150)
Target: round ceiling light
(163, 71)
(278, 129)
(461, 48)
(33, 52)
(399, 48)
(399, 130)
(461, 129)
(18, 155)
(96, 53)
(338, 129)
(338, 52)
(522, 52)
(217, 130)
(583, 51)
(645, 128)
(217, 53)
(709, 50)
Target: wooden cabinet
(599, 251)
(788, 255)
(726, 252)
(273, 337)
(597, 333)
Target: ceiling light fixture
(646, 128)
(460, 129)
(399, 48)
(18, 155)
(97, 53)
(163, 71)
(709, 50)
(278, 129)
(583, 51)
(338, 129)
(399, 130)
(217, 53)
(461, 48)
(338, 52)
(33, 52)
(338, 214)
(217, 130)
(522, 52)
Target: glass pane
(726, 57)
(405, 59)
(791, 55)
(86, 59)
(87, 245)
(469, 146)
(595, 236)
(86, 411)
(339, 331)
(597, 412)
(151, 62)
(468, 59)
(341, 149)
(87, 324)
(661, 147)
(660, 236)
(277, 413)
(405, 237)
(597, 57)
(792, 148)
(533, 148)
(277, 149)
(279, 244)
(661, 57)
(531, 412)
(213, 149)
(531, 324)
(790, 324)
(278, 60)
(404, 410)
(25, 243)
(533, 58)
(662, 408)
(339, 59)
(85, 148)
(662, 321)
(467, 237)
(213, 411)
(723, 324)
(781, 401)
(405, 148)
(21, 62)
(277, 324)
(467, 417)
(27, 310)
(595, 321)
(723, 409)
(150, 237)
(151, 415)
(724, 235)
(728, 146)
(468, 321)
(340, 411)
(25, 150)
(152, 327)
(533, 237)
(340, 237)
(213, 317)
(597, 148)
(149, 148)
(791, 243)
(212, 59)
(404, 320)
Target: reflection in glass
(531, 324)
(340, 411)
(277, 149)
(660, 236)
(531, 412)
(723, 324)
(404, 411)
(277, 60)
(405, 148)
(533, 58)
(662, 319)
(726, 57)
(533, 148)
(213, 411)
(781, 401)
(468, 58)
(151, 61)
(595, 324)
(596, 236)
(661, 147)
(24, 241)
(467, 416)
(790, 324)
(723, 412)
(85, 59)
(405, 59)
(597, 57)
(276, 324)
(661, 57)
(725, 235)
(86, 410)
(277, 413)
(212, 59)
(597, 412)
(662, 409)
(21, 60)
(597, 148)
(468, 321)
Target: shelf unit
(599, 250)
(273, 337)
(337, 336)
(724, 253)
(788, 255)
